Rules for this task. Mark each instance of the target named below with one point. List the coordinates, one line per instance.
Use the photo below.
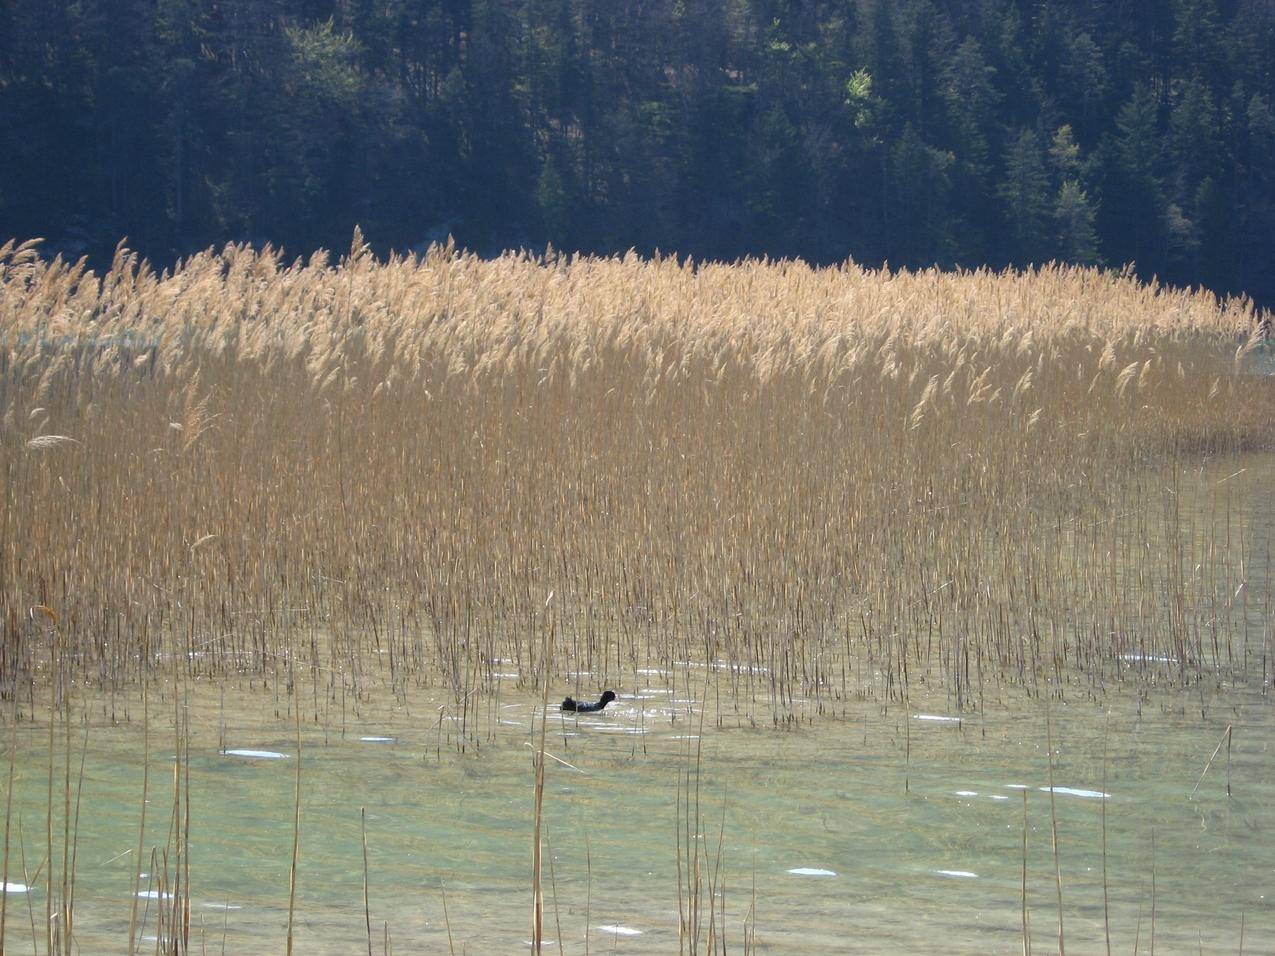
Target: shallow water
(851, 835)
(883, 829)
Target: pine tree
(920, 225)
(551, 198)
(1074, 216)
(1025, 194)
(972, 98)
(1133, 218)
(1064, 153)
(1085, 79)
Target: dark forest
(914, 132)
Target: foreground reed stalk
(296, 825)
(141, 826)
(8, 818)
(537, 891)
(825, 484)
(1053, 828)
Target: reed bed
(823, 484)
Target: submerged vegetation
(825, 484)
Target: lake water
(850, 835)
(883, 829)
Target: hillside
(918, 132)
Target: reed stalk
(553, 888)
(141, 825)
(1106, 903)
(1153, 899)
(1027, 934)
(8, 816)
(367, 909)
(296, 825)
(451, 947)
(537, 896)
(75, 838)
(1053, 829)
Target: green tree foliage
(918, 131)
(551, 197)
(1077, 241)
(1025, 192)
(1136, 205)
(920, 227)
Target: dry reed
(824, 484)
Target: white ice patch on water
(16, 888)
(999, 796)
(619, 930)
(378, 740)
(1073, 792)
(153, 895)
(810, 871)
(608, 728)
(221, 906)
(967, 793)
(1017, 786)
(1147, 659)
(255, 754)
(943, 718)
(958, 874)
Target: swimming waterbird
(584, 707)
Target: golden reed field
(821, 484)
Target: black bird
(583, 707)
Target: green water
(842, 796)
(906, 831)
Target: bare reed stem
(1053, 828)
(296, 822)
(367, 910)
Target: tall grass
(824, 483)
